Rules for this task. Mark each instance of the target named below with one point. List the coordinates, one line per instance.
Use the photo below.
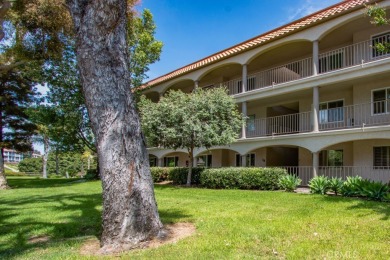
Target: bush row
(222, 178)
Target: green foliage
(335, 185)
(377, 14)
(289, 182)
(178, 175)
(143, 47)
(373, 190)
(351, 186)
(160, 174)
(200, 119)
(91, 174)
(319, 185)
(67, 162)
(242, 178)
(31, 165)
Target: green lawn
(50, 219)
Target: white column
(160, 162)
(243, 160)
(316, 107)
(244, 77)
(315, 58)
(244, 113)
(316, 163)
(196, 85)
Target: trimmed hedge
(178, 175)
(242, 178)
(160, 174)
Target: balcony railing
(354, 116)
(305, 173)
(344, 57)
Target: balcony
(331, 60)
(346, 117)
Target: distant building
(13, 156)
(315, 92)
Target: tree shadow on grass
(381, 208)
(28, 183)
(40, 222)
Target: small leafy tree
(378, 17)
(189, 121)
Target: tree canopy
(204, 118)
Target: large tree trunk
(45, 156)
(57, 164)
(3, 180)
(130, 213)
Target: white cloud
(308, 7)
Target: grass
(51, 219)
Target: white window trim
(372, 102)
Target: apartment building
(13, 156)
(315, 92)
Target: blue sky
(194, 29)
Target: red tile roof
(344, 6)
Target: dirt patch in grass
(174, 233)
(38, 239)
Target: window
(382, 156)
(383, 39)
(381, 101)
(331, 158)
(205, 161)
(250, 160)
(251, 123)
(171, 161)
(331, 111)
(331, 62)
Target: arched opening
(350, 43)
(369, 159)
(153, 160)
(175, 159)
(283, 63)
(186, 86)
(216, 158)
(228, 75)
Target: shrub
(351, 186)
(335, 185)
(242, 178)
(178, 175)
(319, 185)
(160, 174)
(92, 174)
(373, 190)
(289, 182)
(33, 165)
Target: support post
(316, 107)
(196, 84)
(315, 58)
(244, 78)
(160, 162)
(316, 163)
(243, 160)
(244, 113)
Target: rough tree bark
(130, 213)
